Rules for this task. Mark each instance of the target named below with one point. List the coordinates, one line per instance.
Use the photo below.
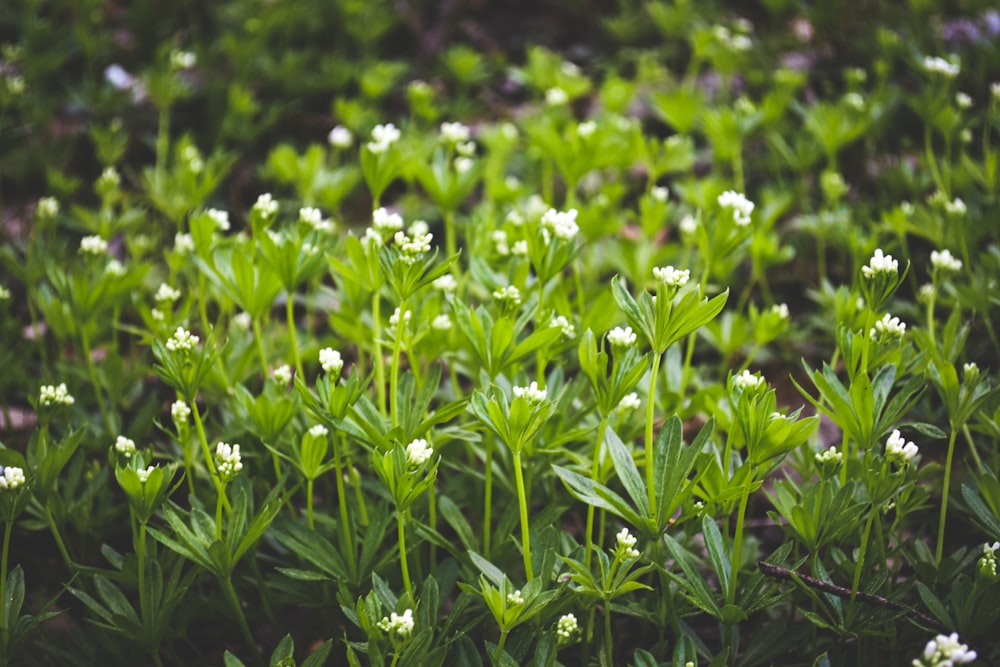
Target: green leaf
(627, 471)
(717, 553)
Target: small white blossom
(454, 133)
(956, 207)
(688, 224)
(937, 65)
(383, 136)
(619, 337)
(144, 474)
(383, 221)
(394, 321)
(515, 598)
(11, 478)
(282, 374)
(180, 412)
(566, 627)
(742, 207)
(880, 263)
(182, 59)
(242, 320)
(747, 381)
(672, 277)
(93, 245)
(115, 269)
(832, 455)
(125, 446)
(401, 626)
(963, 100)
(888, 327)
(586, 128)
(183, 243)
(412, 247)
(945, 261)
(157, 315)
(340, 137)
(945, 651)
(898, 449)
(659, 193)
(499, 238)
(166, 293)
(265, 206)
(48, 207)
(625, 544)
(508, 294)
(556, 97)
(466, 149)
(629, 402)
(463, 164)
(560, 321)
(182, 341)
(221, 218)
(855, 101)
(445, 283)
(109, 179)
(562, 223)
(441, 323)
(781, 310)
(532, 394)
(4, 293)
(318, 431)
(55, 395)
(331, 361)
(520, 248)
(228, 461)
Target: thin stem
(972, 447)
(397, 346)
(488, 494)
(290, 319)
(401, 531)
(147, 620)
(377, 351)
(734, 563)
(595, 472)
(58, 537)
(450, 242)
(7, 526)
(92, 372)
(500, 644)
(650, 413)
(432, 520)
(939, 550)
(259, 338)
(608, 645)
(522, 501)
(859, 567)
(309, 503)
(241, 619)
(218, 514)
(206, 452)
(346, 532)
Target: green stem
(608, 645)
(500, 644)
(218, 514)
(931, 297)
(259, 338)
(241, 619)
(3, 579)
(939, 550)
(397, 345)
(309, 503)
(734, 566)
(650, 412)
(147, 617)
(450, 242)
(377, 351)
(522, 501)
(58, 537)
(92, 372)
(401, 531)
(972, 447)
(202, 303)
(346, 532)
(290, 319)
(206, 452)
(595, 472)
(859, 567)
(432, 520)
(488, 494)
(162, 141)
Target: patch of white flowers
(515, 598)
(747, 381)
(938, 65)
(179, 412)
(566, 628)
(228, 461)
(282, 374)
(265, 206)
(880, 263)
(742, 207)
(832, 455)
(898, 449)
(445, 283)
(93, 245)
(441, 323)
(383, 221)
(562, 223)
(166, 293)
(125, 446)
(48, 207)
(318, 431)
(221, 218)
(55, 395)
(619, 337)
(561, 322)
(629, 402)
(417, 452)
(331, 361)
(556, 97)
(414, 245)
(182, 341)
(945, 651)
(183, 243)
(401, 626)
(11, 478)
(625, 544)
(887, 328)
(672, 277)
(454, 133)
(508, 294)
(340, 137)
(945, 261)
(532, 394)
(383, 137)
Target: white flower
(659, 193)
(15, 84)
(243, 321)
(4, 293)
(742, 207)
(441, 323)
(898, 449)
(781, 310)
(228, 461)
(417, 452)
(282, 374)
(566, 627)
(619, 337)
(508, 294)
(412, 247)
(383, 136)
(562, 224)
(956, 207)
(586, 128)
(499, 238)
(963, 100)
(55, 395)
(401, 626)
(183, 243)
(532, 394)
(115, 269)
(466, 149)
(945, 261)
(938, 65)
(180, 412)
(182, 59)
(747, 381)
(688, 224)
(454, 133)
(880, 263)
(48, 207)
(515, 598)
(672, 277)
(340, 137)
(629, 402)
(125, 446)
(265, 206)
(887, 328)
(519, 248)
(463, 164)
(560, 321)
(832, 455)
(445, 283)
(556, 97)
(221, 218)
(93, 245)
(182, 341)
(318, 431)
(109, 179)
(144, 474)
(383, 221)
(11, 478)
(945, 651)
(166, 293)
(394, 321)
(855, 101)
(625, 544)
(331, 361)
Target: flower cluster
(672, 277)
(938, 65)
(515, 598)
(340, 137)
(179, 412)
(398, 626)
(629, 402)
(221, 218)
(887, 328)
(987, 565)
(265, 206)
(415, 244)
(445, 283)
(144, 474)
(566, 628)
(898, 450)
(282, 375)
(125, 446)
(318, 431)
(228, 461)
(561, 223)
(166, 294)
(832, 455)
(944, 261)
(532, 394)
(454, 133)
(619, 337)
(625, 545)
(11, 478)
(383, 137)
(945, 651)
(563, 323)
(331, 361)
(508, 295)
(383, 221)
(418, 452)
(747, 381)
(742, 207)
(55, 395)
(93, 245)
(880, 263)
(182, 341)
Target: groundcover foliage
(378, 333)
